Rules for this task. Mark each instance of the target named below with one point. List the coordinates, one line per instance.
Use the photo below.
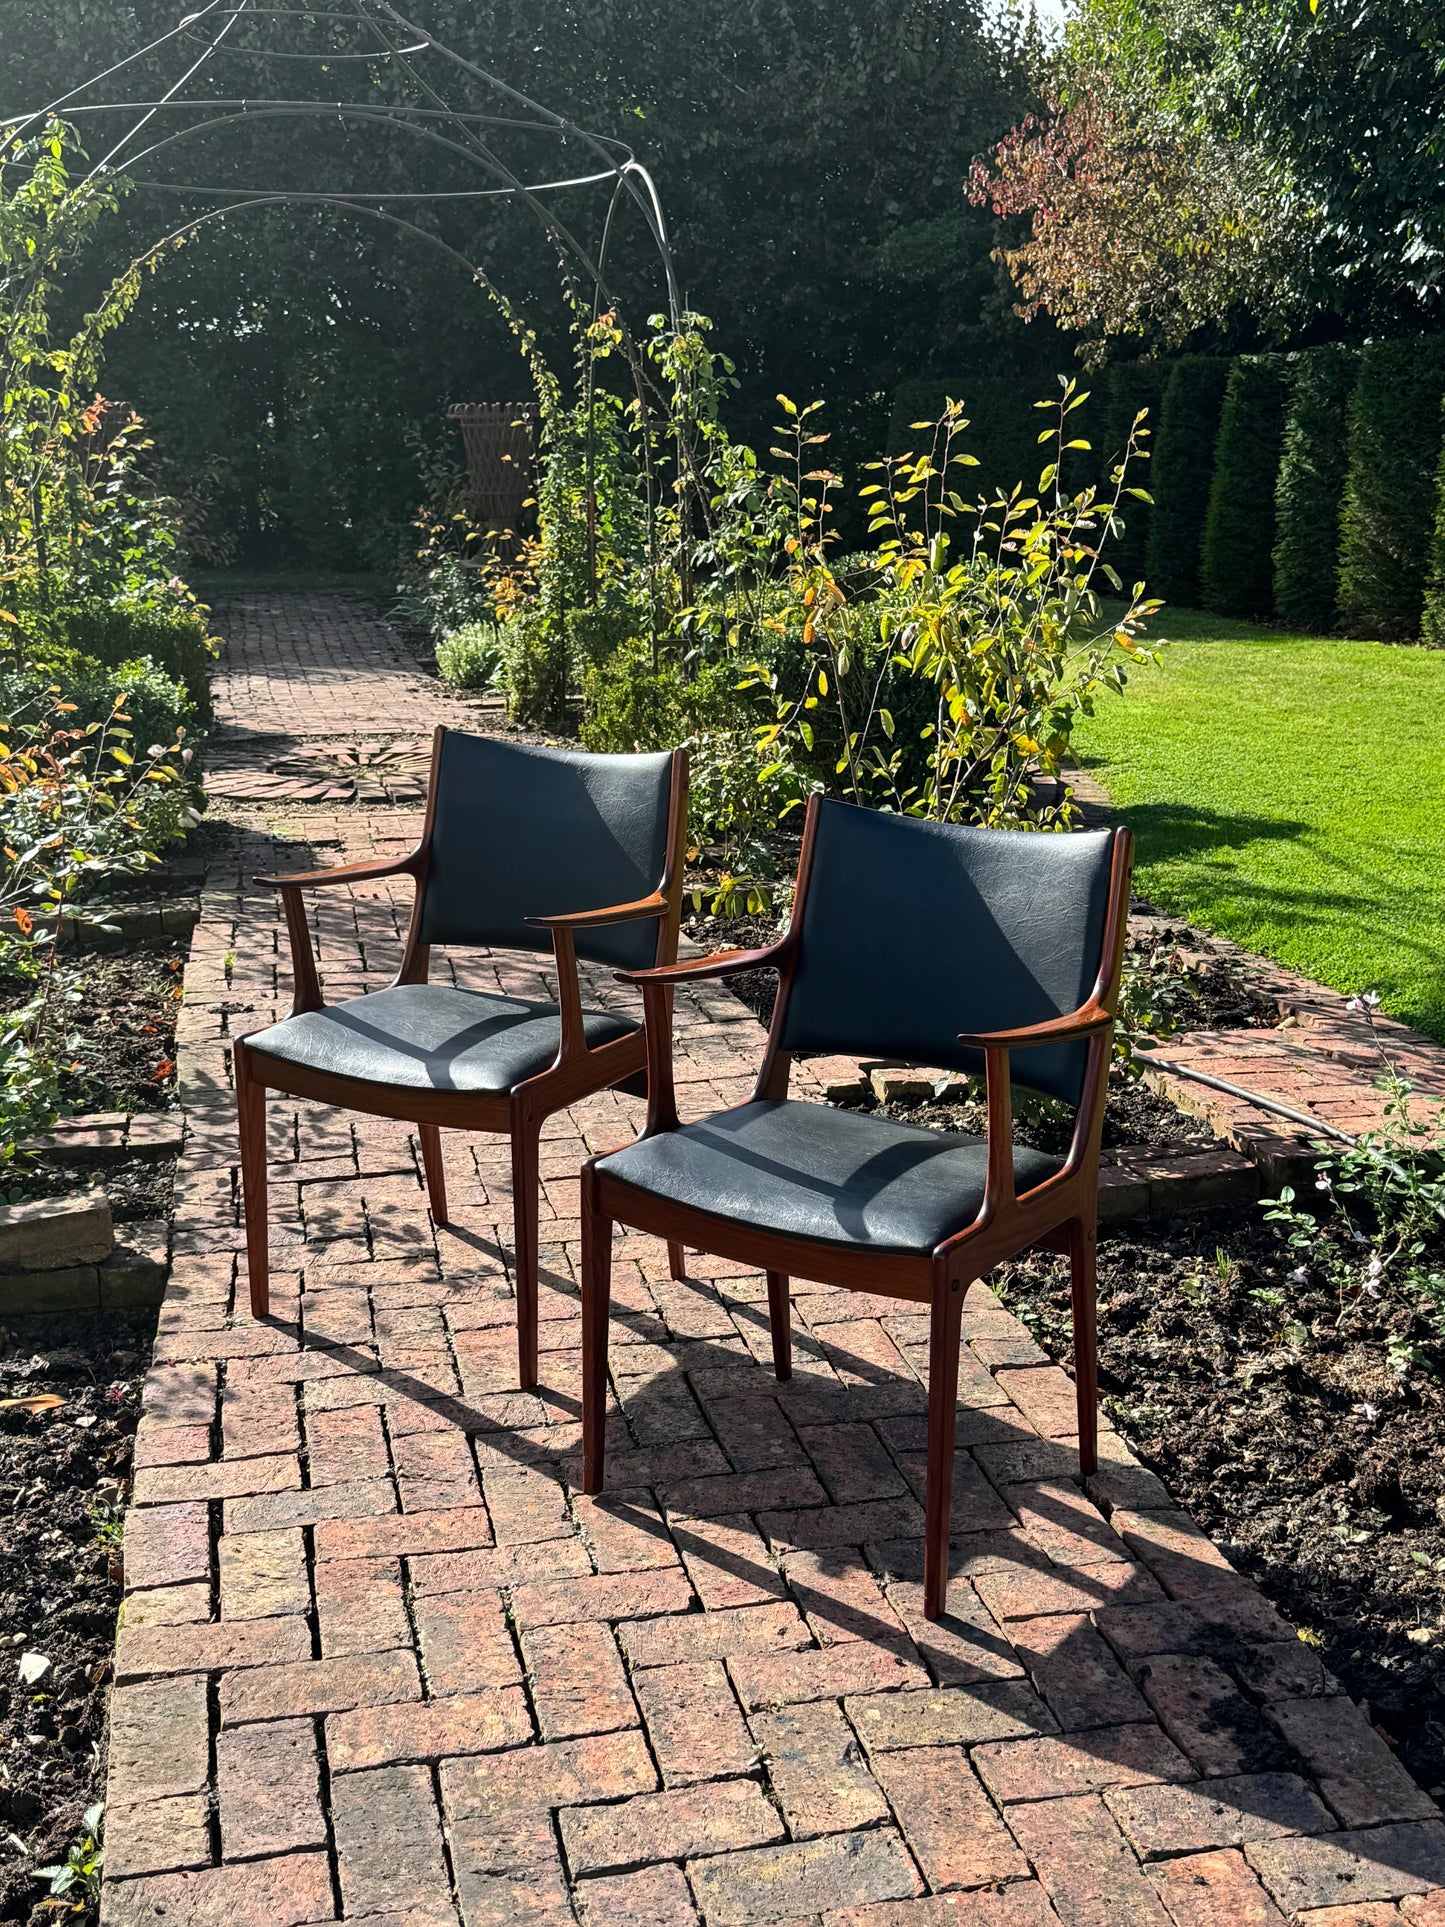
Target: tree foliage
(1237, 565)
(1389, 502)
(1181, 474)
(1313, 459)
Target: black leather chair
(903, 932)
(522, 848)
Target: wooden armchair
(521, 848)
(902, 930)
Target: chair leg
(779, 1323)
(1083, 1266)
(251, 1129)
(943, 1342)
(436, 1177)
(596, 1299)
(524, 1231)
(676, 1260)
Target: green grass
(1287, 791)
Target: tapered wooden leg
(1083, 1265)
(943, 1342)
(676, 1260)
(251, 1128)
(436, 1177)
(596, 1299)
(780, 1323)
(524, 1222)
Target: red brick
(166, 1545)
(360, 1607)
(752, 1431)
(1085, 1864)
(1025, 1593)
(624, 1532)
(948, 1717)
(693, 1722)
(1358, 1774)
(851, 1461)
(816, 1770)
(1060, 1520)
(146, 1650)
(1214, 1890)
(346, 1445)
(579, 1684)
(268, 1788)
(159, 1739)
(286, 1892)
(1020, 1904)
(457, 1529)
(947, 1819)
(727, 1561)
(465, 1642)
(263, 1574)
(478, 1571)
(1178, 1553)
(388, 1840)
(1207, 1717)
(858, 1666)
(1373, 1863)
(169, 1605)
(829, 1528)
(482, 1722)
(841, 1597)
(1046, 1397)
(802, 1878)
(155, 1836)
(710, 1498)
(651, 1897)
(775, 1628)
(318, 1686)
(1044, 1769)
(1370, 1913)
(526, 1505)
(962, 1648)
(157, 1445)
(624, 1595)
(360, 1499)
(435, 1470)
(507, 1788)
(1162, 1820)
(260, 1422)
(1213, 1627)
(223, 1479)
(682, 1822)
(1076, 1672)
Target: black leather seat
(829, 1176)
(432, 1037)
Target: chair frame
(1059, 1214)
(576, 1072)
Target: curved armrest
(344, 873)
(653, 906)
(723, 963)
(1083, 1022)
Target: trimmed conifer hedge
(1132, 386)
(1432, 626)
(1314, 456)
(1388, 517)
(1237, 559)
(1183, 466)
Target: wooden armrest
(653, 906)
(344, 873)
(1056, 1030)
(723, 963)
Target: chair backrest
(522, 832)
(910, 932)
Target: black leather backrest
(522, 832)
(914, 931)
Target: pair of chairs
(901, 929)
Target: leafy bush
(1389, 500)
(535, 668)
(1181, 472)
(1311, 483)
(154, 708)
(471, 657)
(1134, 388)
(175, 636)
(1237, 565)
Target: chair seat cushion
(431, 1037)
(836, 1177)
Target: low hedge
(176, 639)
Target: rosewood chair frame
(1060, 1214)
(577, 1071)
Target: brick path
(380, 1662)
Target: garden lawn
(1287, 792)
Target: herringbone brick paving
(380, 1661)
